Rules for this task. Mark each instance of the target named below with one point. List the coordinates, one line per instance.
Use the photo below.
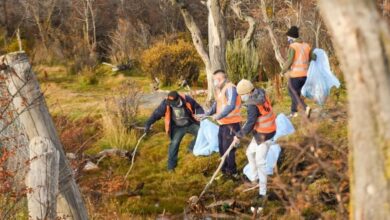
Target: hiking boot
(308, 111)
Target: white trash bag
(207, 139)
(320, 79)
(284, 127)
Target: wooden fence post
(42, 179)
(34, 116)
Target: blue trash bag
(320, 79)
(207, 139)
(284, 127)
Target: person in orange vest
(226, 111)
(299, 56)
(179, 115)
(261, 123)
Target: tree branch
(235, 6)
(274, 42)
(194, 29)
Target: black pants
(225, 138)
(294, 90)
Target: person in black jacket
(179, 114)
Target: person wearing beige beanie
(261, 122)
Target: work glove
(215, 117)
(237, 141)
(147, 129)
(200, 117)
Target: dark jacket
(162, 108)
(257, 98)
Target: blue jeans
(177, 135)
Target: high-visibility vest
(222, 101)
(167, 117)
(265, 123)
(301, 61)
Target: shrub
(87, 77)
(242, 61)
(172, 61)
(119, 116)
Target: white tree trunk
(42, 179)
(235, 6)
(362, 42)
(271, 34)
(215, 57)
(35, 118)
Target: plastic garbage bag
(207, 139)
(320, 79)
(284, 127)
(272, 159)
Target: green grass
(163, 191)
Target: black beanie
(293, 32)
(173, 96)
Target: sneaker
(308, 111)
(293, 115)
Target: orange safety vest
(167, 117)
(265, 123)
(301, 60)
(235, 115)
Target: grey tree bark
(36, 121)
(271, 34)
(362, 42)
(214, 58)
(235, 6)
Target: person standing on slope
(261, 123)
(299, 56)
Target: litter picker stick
(223, 158)
(133, 156)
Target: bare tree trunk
(215, 57)
(361, 39)
(19, 39)
(36, 120)
(42, 179)
(235, 5)
(271, 34)
(93, 23)
(86, 22)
